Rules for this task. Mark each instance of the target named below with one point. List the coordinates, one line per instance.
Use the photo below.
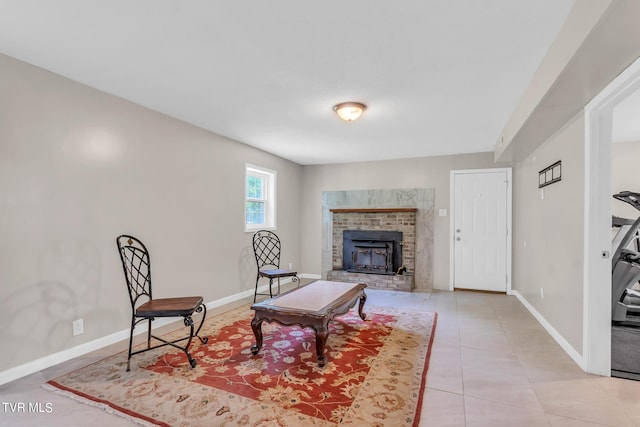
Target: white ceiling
(438, 76)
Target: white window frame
(269, 177)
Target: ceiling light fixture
(349, 111)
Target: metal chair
(266, 247)
(137, 272)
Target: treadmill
(625, 292)
(625, 265)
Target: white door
(481, 211)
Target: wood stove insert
(372, 251)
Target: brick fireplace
(409, 211)
(378, 223)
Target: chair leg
(202, 309)
(278, 286)
(193, 332)
(149, 333)
(188, 321)
(270, 291)
(133, 325)
(255, 294)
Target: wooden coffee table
(311, 306)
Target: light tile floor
(491, 364)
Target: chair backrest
(137, 267)
(266, 247)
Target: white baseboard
(310, 276)
(70, 353)
(577, 357)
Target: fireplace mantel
(373, 210)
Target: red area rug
(375, 375)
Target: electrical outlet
(541, 293)
(290, 266)
(78, 327)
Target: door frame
(597, 219)
(452, 196)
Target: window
(260, 198)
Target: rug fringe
(108, 409)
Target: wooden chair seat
(277, 273)
(169, 307)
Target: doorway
(481, 230)
(597, 261)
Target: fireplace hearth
(372, 251)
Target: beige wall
(625, 176)
(426, 172)
(78, 167)
(598, 43)
(548, 239)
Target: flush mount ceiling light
(349, 111)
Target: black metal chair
(137, 272)
(266, 247)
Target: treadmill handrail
(626, 240)
(629, 197)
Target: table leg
(363, 299)
(321, 339)
(256, 325)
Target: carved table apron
(311, 306)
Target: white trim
(70, 353)
(551, 330)
(597, 219)
(452, 174)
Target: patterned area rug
(374, 376)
